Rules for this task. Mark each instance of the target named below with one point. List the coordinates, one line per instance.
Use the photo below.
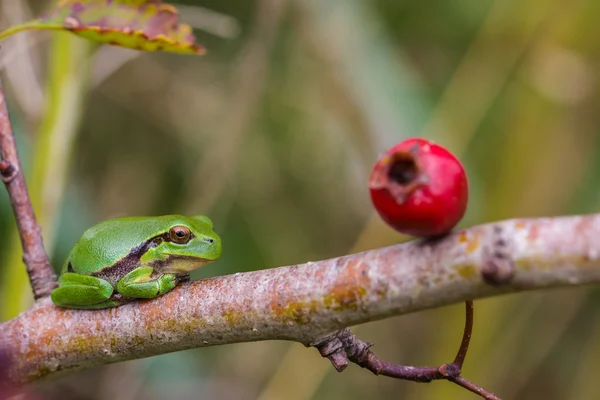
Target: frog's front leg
(140, 283)
(82, 291)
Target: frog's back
(104, 244)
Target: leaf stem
(16, 29)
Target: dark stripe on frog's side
(131, 261)
(126, 264)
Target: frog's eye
(180, 234)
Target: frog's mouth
(180, 264)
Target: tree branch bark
(308, 301)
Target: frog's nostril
(209, 240)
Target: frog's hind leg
(82, 291)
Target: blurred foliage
(273, 133)
(137, 24)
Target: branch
(41, 274)
(306, 302)
(343, 346)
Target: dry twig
(343, 346)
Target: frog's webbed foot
(140, 283)
(82, 291)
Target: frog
(124, 259)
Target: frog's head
(189, 244)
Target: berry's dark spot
(403, 169)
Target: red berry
(419, 188)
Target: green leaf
(147, 25)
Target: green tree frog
(123, 259)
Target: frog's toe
(166, 283)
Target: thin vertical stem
(41, 274)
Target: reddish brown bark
(306, 302)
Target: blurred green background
(273, 134)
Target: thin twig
(460, 381)
(41, 274)
(466, 339)
(343, 346)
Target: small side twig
(41, 274)
(466, 339)
(343, 346)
